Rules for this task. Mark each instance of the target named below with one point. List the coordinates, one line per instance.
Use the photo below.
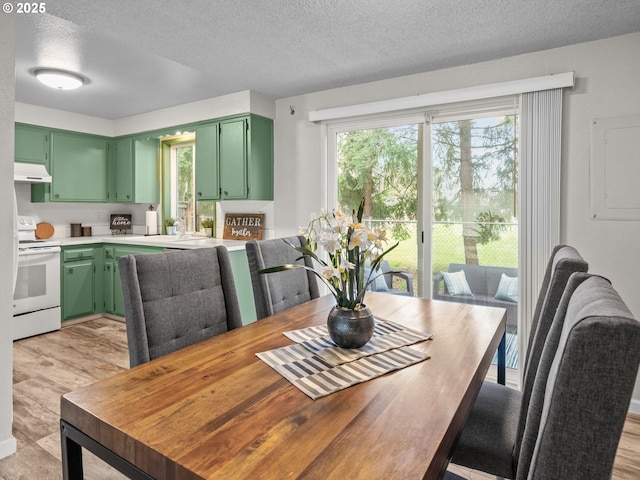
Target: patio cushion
(457, 283)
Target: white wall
(607, 85)
(7, 247)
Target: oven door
(38, 280)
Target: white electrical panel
(615, 168)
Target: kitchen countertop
(166, 241)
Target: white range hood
(30, 173)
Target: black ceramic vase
(350, 328)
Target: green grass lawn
(448, 248)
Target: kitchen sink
(164, 238)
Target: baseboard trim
(8, 447)
(634, 407)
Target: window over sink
(180, 185)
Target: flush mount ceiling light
(59, 79)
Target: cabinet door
(79, 167)
(233, 159)
(207, 184)
(109, 278)
(120, 251)
(118, 302)
(78, 289)
(32, 144)
(123, 185)
(260, 158)
(146, 186)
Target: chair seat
(487, 441)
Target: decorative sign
(243, 226)
(121, 222)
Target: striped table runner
(317, 367)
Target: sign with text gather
(243, 226)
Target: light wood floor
(47, 366)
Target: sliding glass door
(380, 162)
(474, 220)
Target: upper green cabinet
(31, 144)
(136, 174)
(259, 158)
(79, 166)
(207, 182)
(234, 159)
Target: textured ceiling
(144, 55)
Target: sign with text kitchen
(243, 226)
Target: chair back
(564, 261)
(275, 292)
(583, 385)
(175, 299)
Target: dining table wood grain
(215, 411)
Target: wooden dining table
(214, 410)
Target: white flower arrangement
(353, 249)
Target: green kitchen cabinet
(113, 302)
(79, 169)
(246, 158)
(207, 180)
(135, 177)
(242, 279)
(259, 158)
(79, 281)
(234, 159)
(31, 144)
(109, 269)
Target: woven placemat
(318, 367)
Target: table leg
(502, 360)
(73, 441)
(71, 455)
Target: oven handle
(39, 251)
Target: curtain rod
(513, 87)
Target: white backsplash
(97, 215)
(94, 215)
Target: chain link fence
(447, 246)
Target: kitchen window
(180, 186)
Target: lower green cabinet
(79, 281)
(242, 279)
(91, 279)
(109, 279)
(112, 289)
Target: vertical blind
(539, 185)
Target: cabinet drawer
(77, 254)
(135, 250)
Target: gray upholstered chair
(175, 299)
(582, 388)
(497, 418)
(279, 291)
